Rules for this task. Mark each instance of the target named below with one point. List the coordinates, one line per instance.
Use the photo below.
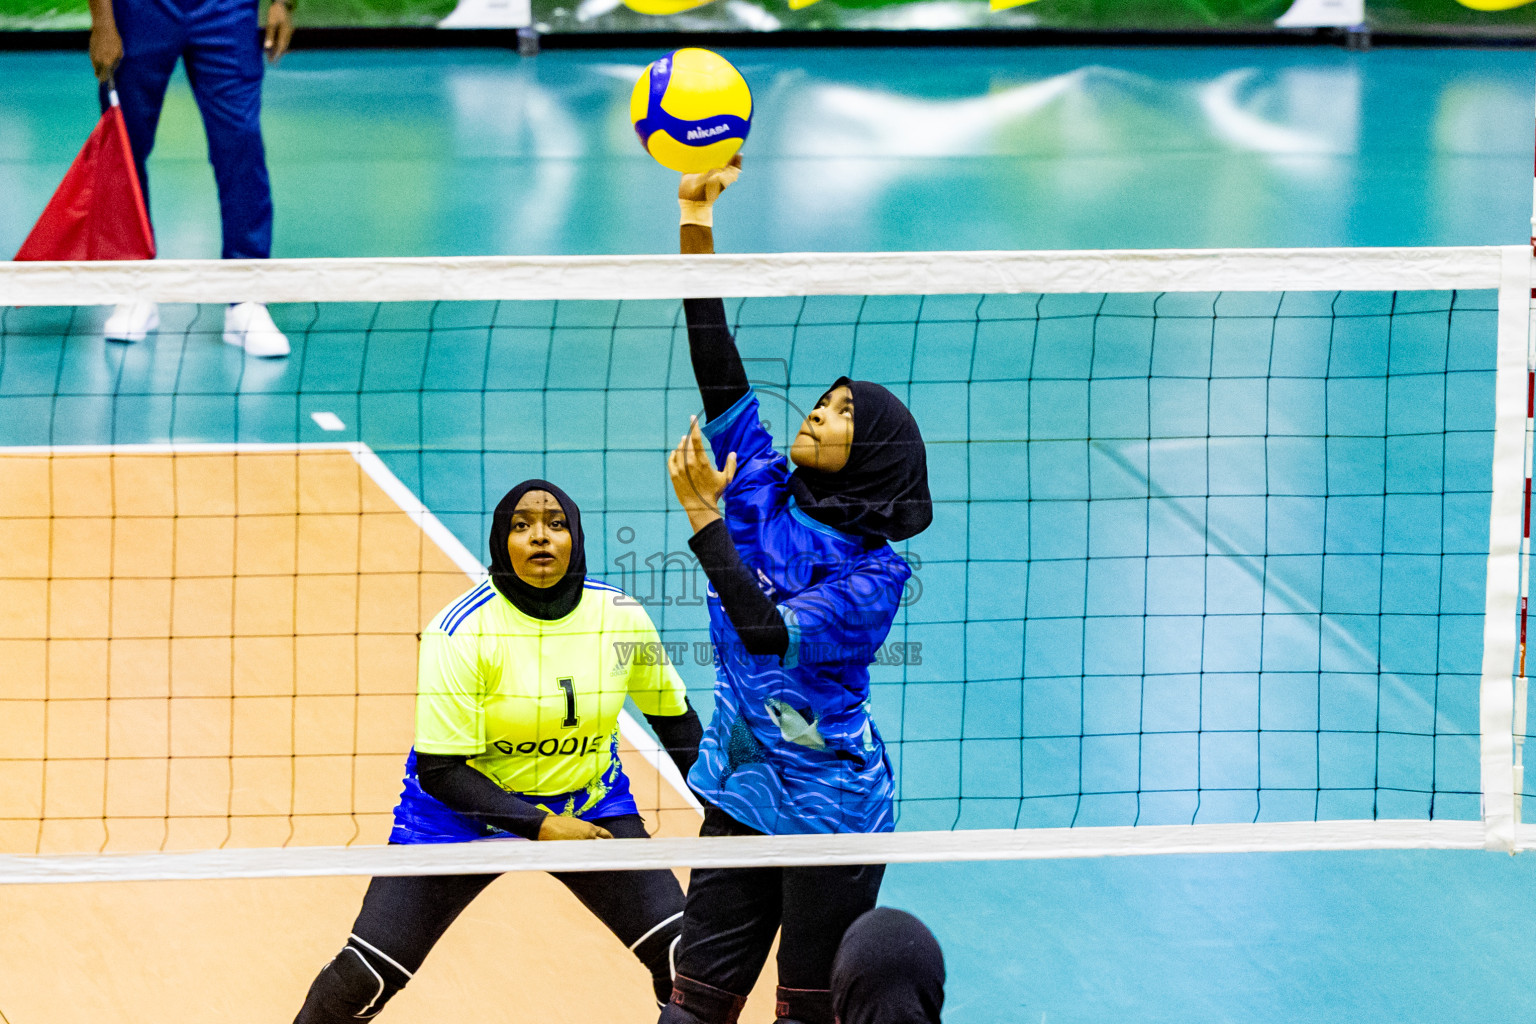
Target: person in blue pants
(136, 43)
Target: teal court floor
(469, 152)
(1090, 654)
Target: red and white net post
(1521, 683)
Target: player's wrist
(695, 239)
(699, 212)
(700, 516)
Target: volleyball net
(1227, 551)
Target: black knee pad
(352, 987)
(804, 1005)
(657, 950)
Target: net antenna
(903, 312)
(1522, 687)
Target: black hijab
(554, 602)
(882, 491)
(889, 970)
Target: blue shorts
(420, 818)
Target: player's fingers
(105, 62)
(696, 436)
(725, 177)
(284, 39)
(730, 470)
(271, 37)
(691, 187)
(598, 832)
(685, 468)
(700, 466)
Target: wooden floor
(209, 649)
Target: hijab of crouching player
(549, 621)
(889, 970)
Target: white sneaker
(250, 326)
(132, 321)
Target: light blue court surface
(420, 153)
(1254, 594)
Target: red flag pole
(140, 207)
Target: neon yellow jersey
(535, 704)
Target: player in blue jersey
(521, 683)
(804, 589)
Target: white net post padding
(1522, 686)
(1503, 596)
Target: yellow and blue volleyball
(692, 110)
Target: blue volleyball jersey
(792, 747)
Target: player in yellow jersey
(519, 692)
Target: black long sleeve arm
(450, 778)
(722, 383)
(752, 612)
(679, 736)
(717, 365)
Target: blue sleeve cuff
(792, 627)
(728, 419)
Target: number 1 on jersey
(568, 684)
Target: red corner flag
(98, 211)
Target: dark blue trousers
(221, 44)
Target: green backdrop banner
(1447, 17)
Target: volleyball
(692, 110)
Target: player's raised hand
(558, 826)
(696, 196)
(696, 480)
(706, 186)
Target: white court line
(419, 514)
(175, 448)
(402, 496)
(328, 421)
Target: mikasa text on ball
(692, 110)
